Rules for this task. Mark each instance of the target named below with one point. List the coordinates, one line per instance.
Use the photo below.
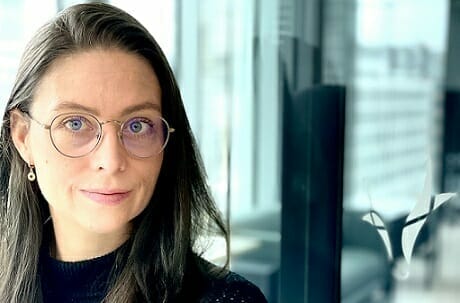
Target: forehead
(107, 81)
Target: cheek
(150, 177)
(54, 173)
(55, 178)
(51, 165)
(41, 147)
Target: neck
(73, 245)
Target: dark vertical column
(450, 180)
(451, 144)
(312, 194)
(312, 162)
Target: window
(16, 28)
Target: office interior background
(330, 131)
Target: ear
(19, 126)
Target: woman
(103, 193)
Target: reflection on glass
(419, 214)
(425, 205)
(376, 220)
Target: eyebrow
(66, 105)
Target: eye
(74, 124)
(77, 123)
(139, 125)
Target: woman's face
(104, 190)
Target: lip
(106, 196)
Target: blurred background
(328, 130)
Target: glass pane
(399, 238)
(228, 71)
(18, 21)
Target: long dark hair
(161, 248)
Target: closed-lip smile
(106, 196)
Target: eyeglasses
(77, 134)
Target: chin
(107, 227)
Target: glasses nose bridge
(111, 121)
(118, 122)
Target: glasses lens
(75, 135)
(145, 137)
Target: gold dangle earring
(31, 175)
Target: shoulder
(232, 288)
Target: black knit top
(88, 282)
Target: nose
(109, 155)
